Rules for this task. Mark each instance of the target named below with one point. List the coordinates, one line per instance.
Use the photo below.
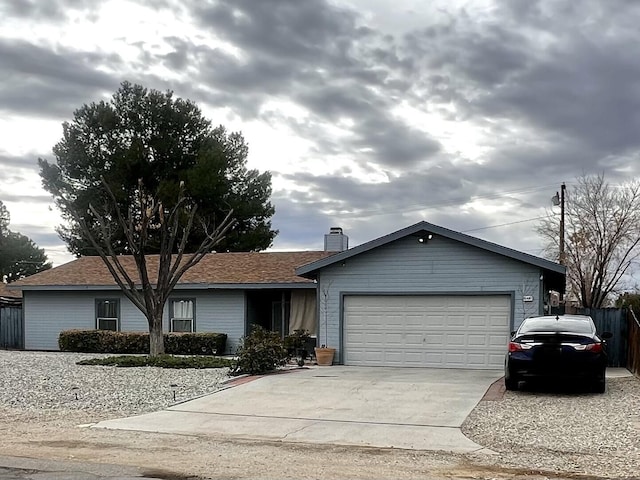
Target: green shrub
(106, 341)
(195, 343)
(261, 351)
(164, 361)
(297, 343)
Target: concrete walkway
(409, 408)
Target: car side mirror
(606, 335)
(513, 332)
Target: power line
(505, 224)
(421, 206)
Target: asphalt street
(20, 468)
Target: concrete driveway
(411, 408)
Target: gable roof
(419, 228)
(215, 269)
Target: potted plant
(324, 354)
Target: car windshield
(550, 324)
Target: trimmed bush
(261, 351)
(195, 343)
(299, 343)
(163, 361)
(107, 341)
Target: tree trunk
(156, 337)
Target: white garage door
(469, 331)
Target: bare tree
(148, 219)
(602, 225)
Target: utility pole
(558, 199)
(563, 187)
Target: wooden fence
(11, 334)
(612, 320)
(633, 362)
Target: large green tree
(147, 137)
(4, 220)
(19, 255)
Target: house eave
(185, 286)
(310, 270)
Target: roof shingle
(5, 292)
(214, 268)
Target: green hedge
(162, 361)
(107, 341)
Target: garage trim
(511, 294)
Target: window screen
(182, 316)
(107, 313)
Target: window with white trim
(108, 314)
(182, 315)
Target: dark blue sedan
(558, 347)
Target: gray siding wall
(221, 311)
(47, 313)
(439, 266)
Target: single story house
(422, 296)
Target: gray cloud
(53, 10)
(320, 56)
(434, 187)
(29, 197)
(42, 238)
(560, 72)
(27, 161)
(46, 82)
(307, 32)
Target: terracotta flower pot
(324, 356)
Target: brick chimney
(335, 240)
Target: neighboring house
(428, 296)
(11, 297)
(421, 296)
(10, 317)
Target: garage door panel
(474, 340)
(475, 320)
(499, 321)
(413, 321)
(453, 340)
(434, 339)
(498, 340)
(375, 339)
(355, 338)
(413, 340)
(454, 320)
(426, 331)
(394, 339)
(495, 359)
(433, 359)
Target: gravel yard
(38, 381)
(44, 396)
(566, 431)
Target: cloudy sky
(371, 114)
